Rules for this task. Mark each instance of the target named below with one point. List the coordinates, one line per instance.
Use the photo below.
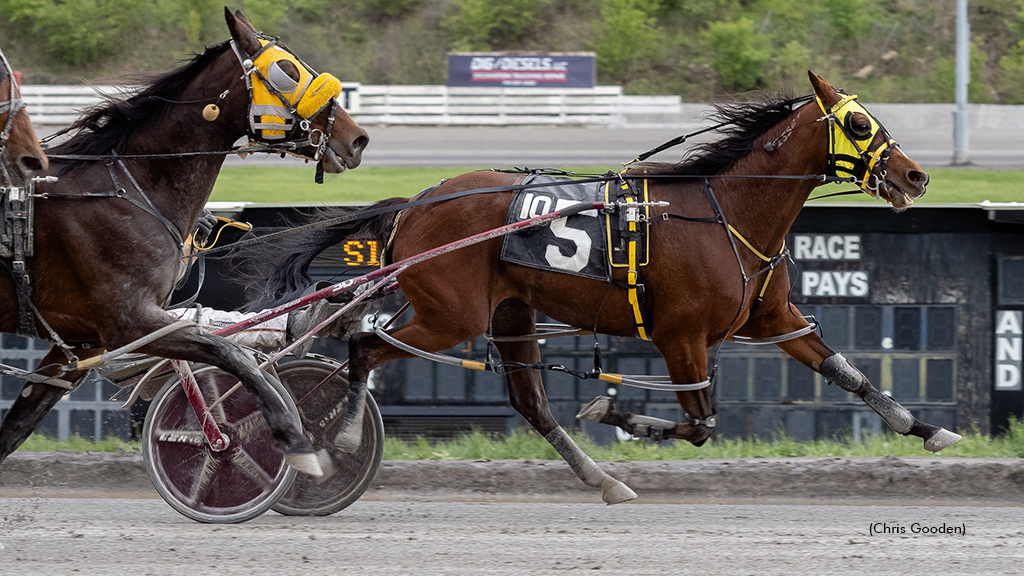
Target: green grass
(528, 445)
(294, 185)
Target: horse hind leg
(839, 371)
(526, 393)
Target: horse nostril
(918, 177)
(359, 144)
(31, 164)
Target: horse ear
(242, 31)
(822, 89)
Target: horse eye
(860, 126)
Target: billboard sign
(550, 70)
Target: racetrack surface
(117, 537)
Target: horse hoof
(326, 464)
(596, 409)
(307, 463)
(941, 439)
(615, 492)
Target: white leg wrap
(269, 335)
(350, 436)
(612, 490)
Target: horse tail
(278, 272)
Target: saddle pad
(575, 245)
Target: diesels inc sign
(830, 283)
(553, 70)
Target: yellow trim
(228, 223)
(610, 378)
(473, 365)
(748, 245)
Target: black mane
(745, 123)
(105, 126)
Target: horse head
(290, 101)
(861, 147)
(20, 154)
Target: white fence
(598, 106)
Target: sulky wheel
(322, 406)
(233, 485)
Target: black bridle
(11, 107)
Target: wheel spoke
(245, 464)
(249, 425)
(205, 480)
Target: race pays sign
(827, 283)
(1009, 324)
(555, 70)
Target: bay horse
(133, 182)
(21, 157)
(697, 291)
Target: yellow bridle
(851, 153)
(278, 104)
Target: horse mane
(107, 125)
(744, 123)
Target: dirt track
(109, 537)
(919, 480)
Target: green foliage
(892, 51)
(625, 39)
(740, 54)
(1012, 80)
(486, 25)
(76, 32)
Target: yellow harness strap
(632, 265)
(768, 276)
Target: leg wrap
(896, 416)
(838, 370)
(585, 468)
(350, 436)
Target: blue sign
(577, 70)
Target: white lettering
(1007, 376)
(835, 247)
(822, 247)
(835, 283)
(859, 284)
(1008, 322)
(852, 248)
(1008, 349)
(809, 282)
(818, 251)
(802, 248)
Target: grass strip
(294, 185)
(528, 445)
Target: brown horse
(20, 155)
(133, 181)
(702, 286)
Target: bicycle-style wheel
(322, 407)
(230, 486)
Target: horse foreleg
(526, 393)
(34, 402)
(602, 410)
(812, 351)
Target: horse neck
(180, 186)
(764, 210)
